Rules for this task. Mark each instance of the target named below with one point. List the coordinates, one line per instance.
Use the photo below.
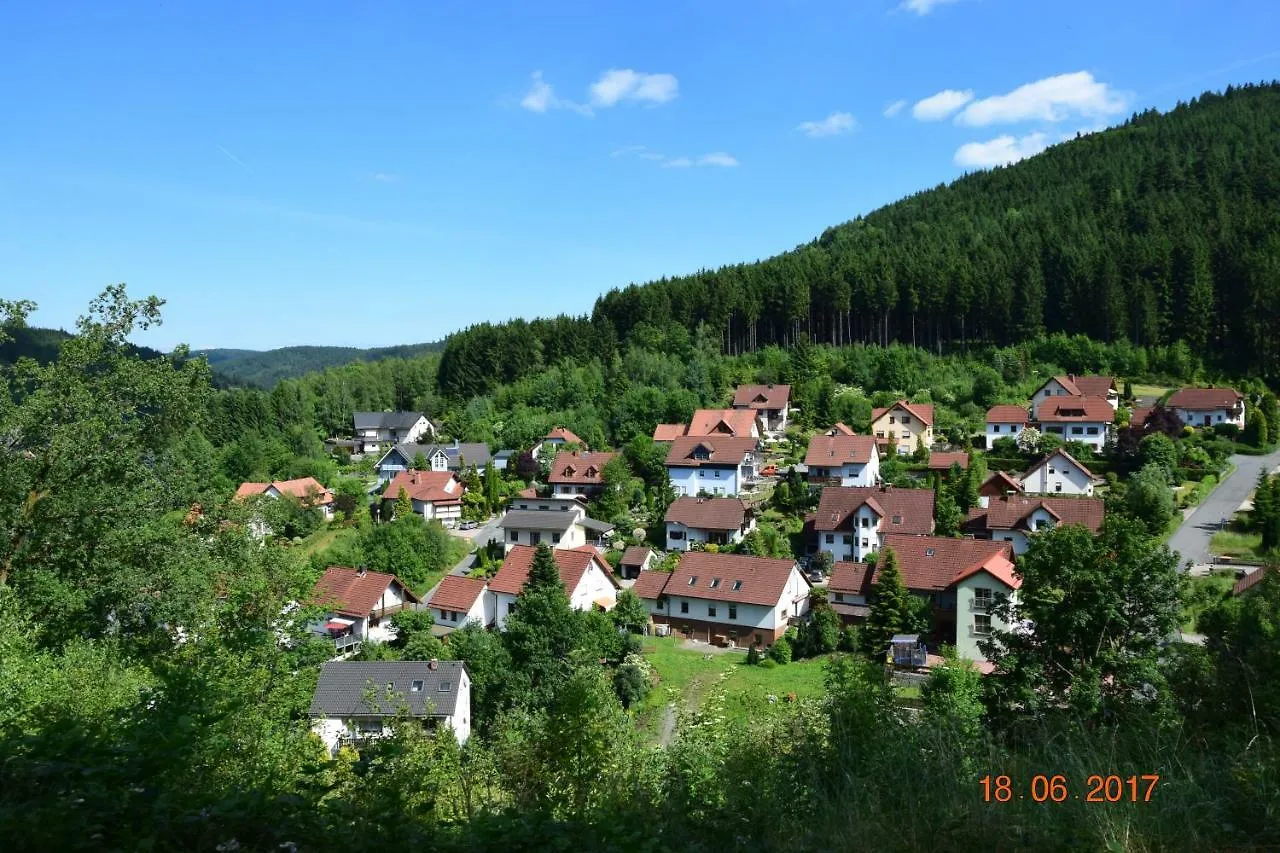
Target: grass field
(323, 538)
(1231, 543)
(1149, 393)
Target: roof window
(737, 585)
(715, 583)
(416, 686)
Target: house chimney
(361, 572)
(433, 664)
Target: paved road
(480, 538)
(1191, 539)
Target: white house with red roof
(555, 440)
(588, 580)
(905, 425)
(701, 521)
(307, 490)
(460, 601)
(578, 472)
(358, 604)
(770, 402)
(1015, 518)
(1207, 407)
(1006, 422)
(1058, 474)
(726, 599)
(716, 465)
(434, 494)
(851, 523)
(843, 460)
(1083, 419)
(1071, 385)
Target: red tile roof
(734, 422)
(708, 513)
(1250, 580)
(1008, 415)
(636, 555)
(932, 563)
(759, 580)
(572, 563)
(841, 429)
(352, 592)
(1091, 385)
(998, 483)
(1013, 513)
(650, 584)
(1057, 453)
(1205, 398)
(457, 592)
(944, 459)
(435, 487)
(579, 467)
(853, 578)
(669, 432)
(1139, 414)
(923, 411)
(914, 508)
(832, 451)
(1075, 410)
(301, 488)
(762, 396)
(721, 450)
(565, 435)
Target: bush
(1230, 431)
(768, 663)
(780, 651)
(753, 656)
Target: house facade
(556, 439)
(459, 601)
(635, 560)
(1016, 518)
(1208, 407)
(374, 431)
(307, 490)
(587, 579)
(566, 526)
(712, 465)
(727, 599)
(1058, 474)
(578, 473)
(850, 523)
(358, 604)
(906, 426)
(1071, 385)
(1083, 419)
(435, 495)
(770, 402)
(693, 521)
(843, 460)
(439, 457)
(1006, 422)
(357, 701)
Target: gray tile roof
(386, 420)
(476, 453)
(344, 688)
(533, 519)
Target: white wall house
(359, 605)
(851, 523)
(712, 465)
(376, 430)
(435, 495)
(459, 601)
(1071, 385)
(1006, 422)
(566, 526)
(1058, 474)
(976, 595)
(701, 521)
(439, 457)
(845, 460)
(1083, 419)
(1015, 518)
(1207, 407)
(358, 701)
(770, 402)
(587, 580)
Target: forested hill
(43, 344)
(1165, 228)
(265, 369)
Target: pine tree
(891, 610)
(542, 631)
(404, 506)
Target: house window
(1077, 430)
(555, 538)
(890, 418)
(514, 536)
(676, 534)
(784, 614)
(848, 540)
(897, 519)
(864, 542)
(370, 727)
(535, 537)
(442, 614)
(657, 605)
(879, 433)
(1093, 430)
(511, 607)
(839, 596)
(995, 428)
(444, 687)
(733, 611)
(866, 522)
(737, 585)
(929, 552)
(711, 610)
(982, 597)
(717, 473)
(416, 686)
(1057, 487)
(906, 419)
(906, 433)
(981, 624)
(684, 607)
(715, 583)
(831, 538)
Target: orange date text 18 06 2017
(1045, 788)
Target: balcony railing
(349, 643)
(392, 610)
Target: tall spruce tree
(542, 631)
(891, 608)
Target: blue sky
(378, 173)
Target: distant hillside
(265, 369)
(42, 345)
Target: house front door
(1208, 421)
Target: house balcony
(350, 644)
(384, 612)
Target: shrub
(753, 656)
(780, 651)
(768, 663)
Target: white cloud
(623, 84)
(1001, 151)
(939, 106)
(1051, 99)
(833, 125)
(923, 7)
(541, 96)
(384, 177)
(718, 158)
(677, 163)
(628, 149)
(894, 108)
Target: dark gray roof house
(383, 688)
(386, 420)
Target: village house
(906, 426)
(578, 473)
(306, 490)
(1015, 518)
(843, 460)
(563, 524)
(851, 523)
(459, 601)
(356, 701)
(769, 402)
(734, 423)
(727, 599)
(434, 494)
(712, 465)
(1058, 474)
(998, 484)
(440, 457)
(1083, 419)
(358, 604)
(556, 439)
(1006, 422)
(707, 521)
(840, 429)
(1101, 387)
(587, 579)
(1207, 407)
(374, 431)
(636, 559)
(941, 461)
(961, 578)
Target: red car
(769, 471)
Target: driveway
(1191, 539)
(479, 537)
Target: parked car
(469, 524)
(769, 471)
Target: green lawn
(1152, 392)
(325, 537)
(1202, 593)
(1231, 543)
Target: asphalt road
(1191, 539)
(483, 536)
